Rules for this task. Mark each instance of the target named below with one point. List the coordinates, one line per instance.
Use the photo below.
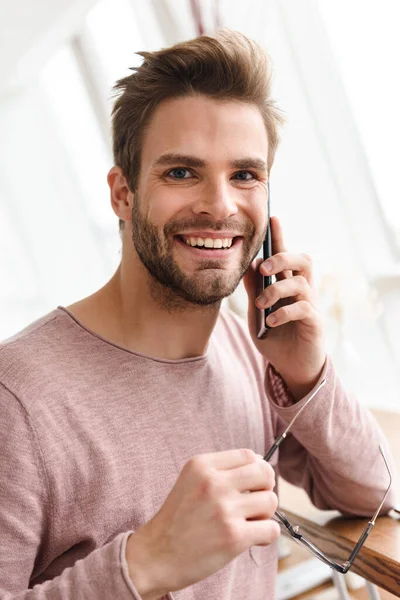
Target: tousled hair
(227, 66)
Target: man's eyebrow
(249, 162)
(181, 159)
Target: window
(366, 44)
(89, 155)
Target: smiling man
(205, 202)
(133, 424)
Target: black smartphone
(264, 281)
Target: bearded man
(133, 423)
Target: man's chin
(204, 287)
(204, 301)
(207, 296)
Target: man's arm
(333, 451)
(25, 514)
(333, 448)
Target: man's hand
(295, 343)
(206, 521)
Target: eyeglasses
(294, 530)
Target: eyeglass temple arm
(280, 439)
(275, 446)
(371, 523)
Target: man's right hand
(206, 521)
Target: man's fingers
(296, 287)
(300, 264)
(258, 505)
(278, 244)
(251, 477)
(263, 532)
(227, 459)
(299, 311)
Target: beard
(201, 288)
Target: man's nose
(216, 199)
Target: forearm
(98, 576)
(333, 451)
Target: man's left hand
(295, 343)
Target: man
(133, 423)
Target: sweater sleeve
(24, 515)
(332, 450)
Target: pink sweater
(93, 438)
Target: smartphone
(263, 281)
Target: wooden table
(379, 559)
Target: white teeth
(209, 242)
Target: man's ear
(120, 194)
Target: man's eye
(245, 176)
(179, 173)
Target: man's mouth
(210, 248)
(207, 243)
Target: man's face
(202, 183)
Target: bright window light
(76, 121)
(116, 37)
(366, 43)
(17, 271)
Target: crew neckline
(202, 358)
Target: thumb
(250, 280)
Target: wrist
(298, 387)
(141, 569)
(299, 390)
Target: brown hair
(228, 66)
